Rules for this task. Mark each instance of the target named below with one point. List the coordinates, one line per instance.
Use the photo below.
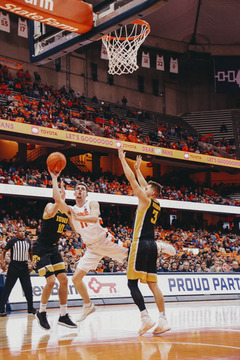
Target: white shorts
(97, 251)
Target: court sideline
(200, 330)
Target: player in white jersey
(99, 242)
(90, 232)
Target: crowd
(197, 250)
(200, 251)
(110, 184)
(29, 101)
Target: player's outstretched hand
(121, 153)
(138, 162)
(54, 174)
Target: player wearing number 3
(99, 242)
(143, 254)
(48, 260)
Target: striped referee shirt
(20, 248)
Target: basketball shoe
(166, 248)
(87, 310)
(147, 324)
(66, 321)
(162, 326)
(42, 320)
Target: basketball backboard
(48, 43)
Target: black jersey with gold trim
(52, 228)
(145, 221)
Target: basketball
(56, 162)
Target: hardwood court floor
(200, 330)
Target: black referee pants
(20, 271)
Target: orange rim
(138, 22)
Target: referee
(21, 249)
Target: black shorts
(48, 260)
(142, 263)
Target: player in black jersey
(49, 261)
(143, 254)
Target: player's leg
(60, 273)
(42, 258)
(158, 296)
(63, 287)
(88, 262)
(41, 315)
(137, 269)
(163, 325)
(136, 294)
(64, 318)
(77, 280)
(88, 306)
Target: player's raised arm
(138, 191)
(137, 165)
(93, 217)
(58, 196)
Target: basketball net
(122, 47)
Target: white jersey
(90, 232)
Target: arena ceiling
(179, 26)
(211, 26)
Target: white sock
(162, 315)
(144, 313)
(43, 307)
(63, 310)
(87, 305)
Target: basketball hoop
(122, 46)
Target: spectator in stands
(164, 267)
(235, 267)
(99, 268)
(203, 267)
(186, 267)
(37, 77)
(216, 267)
(174, 267)
(111, 267)
(27, 76)
(95, 99)
(124, 101)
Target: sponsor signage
(115, 286)
(70, 15)
(79, 138)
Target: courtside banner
(115, 286)
(55, 134)
(70, 15)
